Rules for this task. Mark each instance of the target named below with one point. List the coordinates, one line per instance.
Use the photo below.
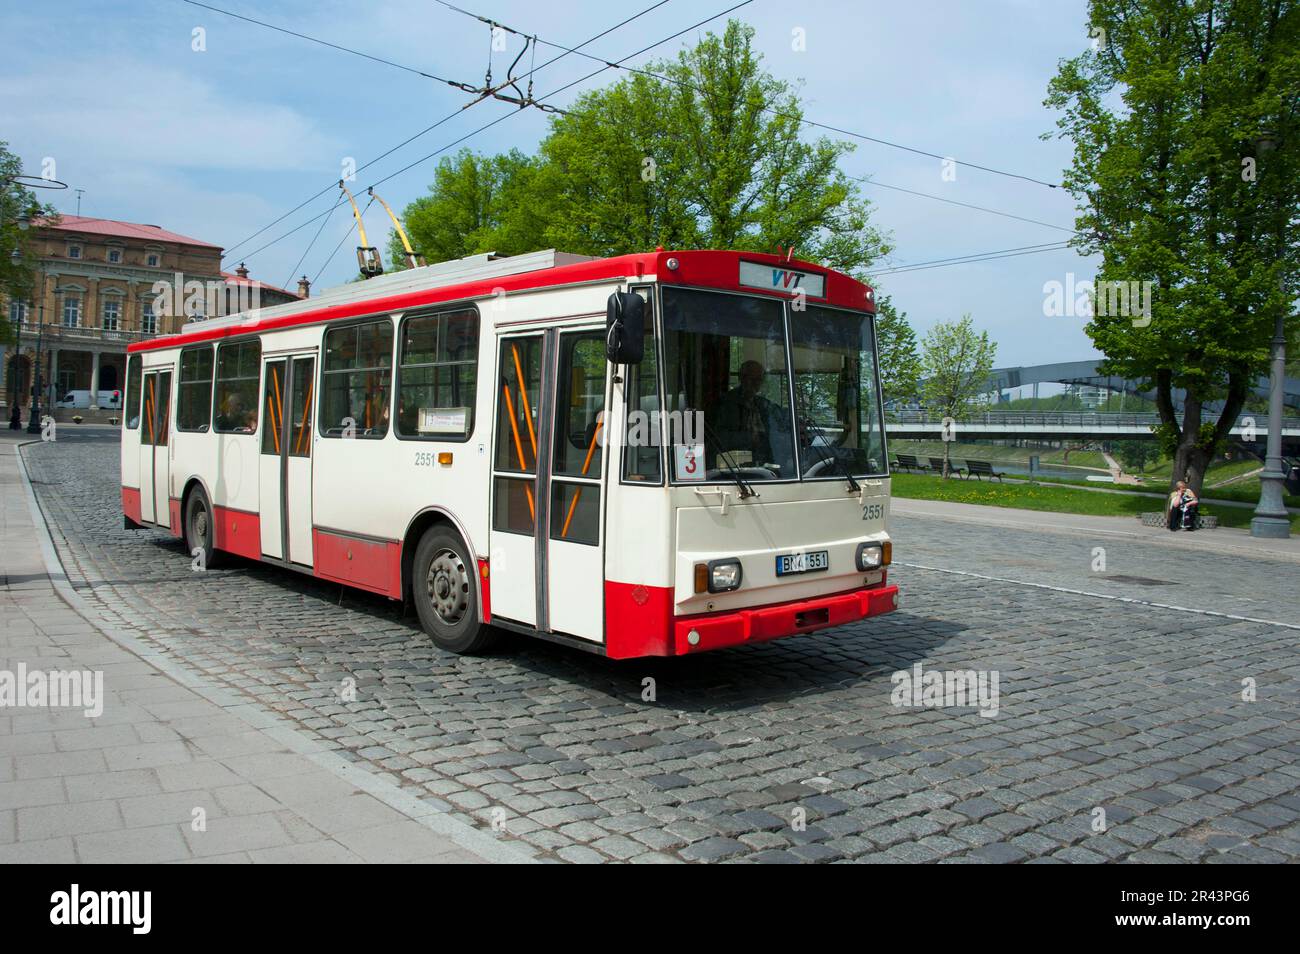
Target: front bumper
(695, 634)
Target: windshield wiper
(732, 469)
(833, 458)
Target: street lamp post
(1271, 517)
(15, 412)
(34, 421)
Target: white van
(108, 400)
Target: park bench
(984, 468)
(909, 463)
(936, 465)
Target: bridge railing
(1060, 419)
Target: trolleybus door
(514, 502)
(574, 567)
(548, 468)
(155, 422)
(284, 464)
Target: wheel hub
(448, 587)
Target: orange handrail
(523, 396)
(148, 404)
(275, 408)
(586, 464)
(306, 416)
(519, 446)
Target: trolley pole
(1271, 518)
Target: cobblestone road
(1104, 704)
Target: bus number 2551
(873, 511)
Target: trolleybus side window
(579, 444)
(436, 375)
(131, 405)
(514, 497)
(194, 393)
(238, 370)
(356, 379)
(643, 434)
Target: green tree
(900, 364)
(467, 208)
(1135, 455)
(1186, 128)
(16, 275)
(708, 157)
(955, 362)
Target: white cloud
(137, 113)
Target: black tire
(444, 586)
(199, 528)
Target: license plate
(788, 563)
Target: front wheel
(445, 589)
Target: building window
(436, 377)
(112, 314)
(238, 368)
(148, 320)
(194, 407)
(74, 251)
(17, 313)
(114, 255)
(151, 259)
(355, 380)
(72, 311)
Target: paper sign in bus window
(443, 420)
(690, 461)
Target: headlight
(871, 556)
(724, 575)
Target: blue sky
(217, 143)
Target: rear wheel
(445, 589)
(200, 530)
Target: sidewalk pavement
(1238, 542)
(128, 785)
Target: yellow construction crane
(368, 259)
(412, 259)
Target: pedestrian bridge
(1063, 425)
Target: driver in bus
(744, 417)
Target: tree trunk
(947, 454)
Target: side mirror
(625, 328)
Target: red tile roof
(233, 279)
(129, 230)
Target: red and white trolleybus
(646, 455)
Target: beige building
(97, 289)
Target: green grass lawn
(1054, 498)
(996, 452)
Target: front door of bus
(155, 420)
(284, 464)
(549, 470)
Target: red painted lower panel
(174, 507)
(237, 531)
(639, 620)
(131, 503)
(374, 565)
(485, 590)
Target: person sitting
(744, 417)
(1183, 507)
